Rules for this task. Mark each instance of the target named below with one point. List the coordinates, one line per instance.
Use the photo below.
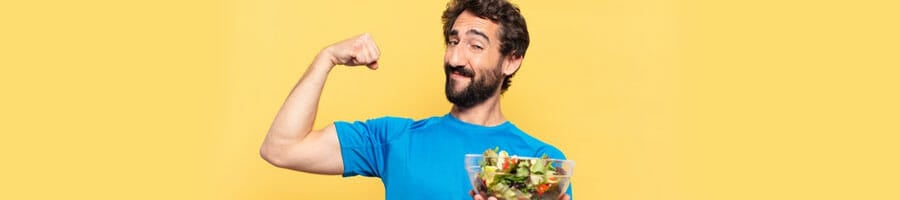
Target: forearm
(291, 141)
(298, 113)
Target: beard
(479, 89)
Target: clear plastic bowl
(564, 171)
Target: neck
(485, 114)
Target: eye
(452, 42)
(479, 47)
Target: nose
(454, 57)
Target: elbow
(270, 155)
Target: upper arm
(347, 148)
(318, 152)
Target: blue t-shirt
(425, 159)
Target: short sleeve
(363, 144)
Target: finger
(358, 46)
(372, 49)
(358, 51)
(365, 36)
(362, 44)
(564, 197)
(373, 65)
(377, 50)
(492, 198)
(362, 58)
(372, 53)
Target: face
(473, 63)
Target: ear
(511, 64)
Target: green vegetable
(508, 177)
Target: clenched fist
(355, 51)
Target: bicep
(319, 152)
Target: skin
(476, 46)
(291, 142)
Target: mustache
(458, 69)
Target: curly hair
(513, 31)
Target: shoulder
(425, 122)
(388, 123)
(390, 119)
(385, 122)
(404, 121)
(552, 152)
(541, 148)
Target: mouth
(459, 72)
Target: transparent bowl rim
(568, 175)
(528, 158)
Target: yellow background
(654, 99)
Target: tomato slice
(506, 164)
(543, 188)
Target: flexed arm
(290, 142)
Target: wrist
(324, 60)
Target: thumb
(373, 65)
(475, 196)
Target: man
(486, 42)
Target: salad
(511, 177)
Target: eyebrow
(479, 33)
(471, 32)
